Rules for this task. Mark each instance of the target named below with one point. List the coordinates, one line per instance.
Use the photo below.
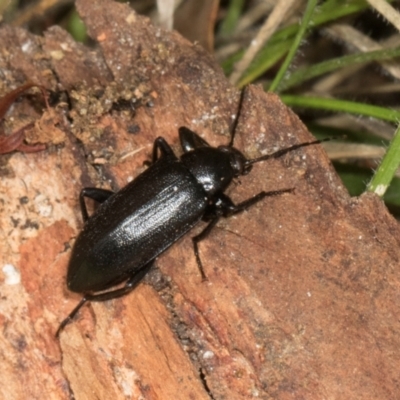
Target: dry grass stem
(267, 30)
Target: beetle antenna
(237, 117)
(281, 152)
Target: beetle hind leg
(71, 316)
(130, 284)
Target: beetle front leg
(99, 195)
(130, 284)
(165, 149)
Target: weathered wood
(302, 293)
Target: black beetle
(132, 227)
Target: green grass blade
(282, 40)
(385, 172)
(345, 106)
(295, 45)
(354, 178)
(230, 21)
(76, 27)
(271, 55)
(303, 74)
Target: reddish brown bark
(302, 296)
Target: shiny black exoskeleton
(121, 240)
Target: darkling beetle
(132, 227)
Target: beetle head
(238, 161)
(191, 141)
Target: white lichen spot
(42, 205)
(309, 294)
(26, 47)
(12, 275)
(208, 354)
(381, 189)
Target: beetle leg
(226, 207)
(71, 316)
(198, 238)
(130, 284)
(190, 140)
(165, 149)
(99, 195)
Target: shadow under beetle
(132, 227)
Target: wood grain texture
(302, 296)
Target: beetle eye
(236, 165)
(237, 160)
